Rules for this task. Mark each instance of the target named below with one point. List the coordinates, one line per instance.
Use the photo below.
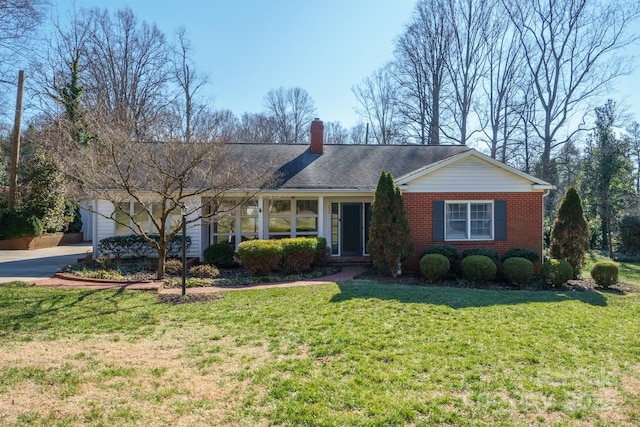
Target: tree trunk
(162, 255)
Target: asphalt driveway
(39, 264)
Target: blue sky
(248, 47)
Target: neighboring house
(452, 193)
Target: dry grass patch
(103, 381)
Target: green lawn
(358, 353)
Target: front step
(350, 260)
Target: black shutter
(438, 220)
(500, 217)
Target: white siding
(469, 175)
(104, 227)
(195, 232)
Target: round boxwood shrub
(530, 254)
(434, 267)
(605, 273)
(518, 270)
(488, 252)
(220, 255)
(556, 272)
(298, 254)
(173, 267)
(259, 257)
(204, 271)
(451, 252)
(478, 268)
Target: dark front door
(351, 229)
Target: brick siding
(524, 222)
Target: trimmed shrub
(488, 252)
(570, 232)
(259, 257)
(19, 224)
(434, 267)
(630, 234)
(518, 270)
(605, 273)
(173, 267)
(556, 272)
(453, 254)
(526, 253)
(135, 246)
(478, 268)
(322, 252)
(220, 255)
(204, 271)
(298, 254)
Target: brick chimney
(317, 129)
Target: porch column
(321, 231)
(261, 224)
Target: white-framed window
(293, 218)
(133, 213)
(469, 220)
(236, 224)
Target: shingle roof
(343, 167)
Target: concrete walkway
(347, 273)
(37, 264)
(40, 265)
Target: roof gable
(470, 171)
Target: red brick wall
(524, 221)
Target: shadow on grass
(459, 297)
(27, 310)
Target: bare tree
(500, 112)
(189, 82)
(633, 135)
(127, 70)
(256, 128)
(377, 97)
(56, 76)
(573, 50)
(161, 177)
(335, 133)
(359, 134)
(291, 111)
(18, 21)
(470, 23)
(421, 53)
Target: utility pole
(15, 151)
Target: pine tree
(389, 233)
(570, 233)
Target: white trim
(320, 220)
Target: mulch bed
(578, 285)
(176, 299)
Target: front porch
(341, 219)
